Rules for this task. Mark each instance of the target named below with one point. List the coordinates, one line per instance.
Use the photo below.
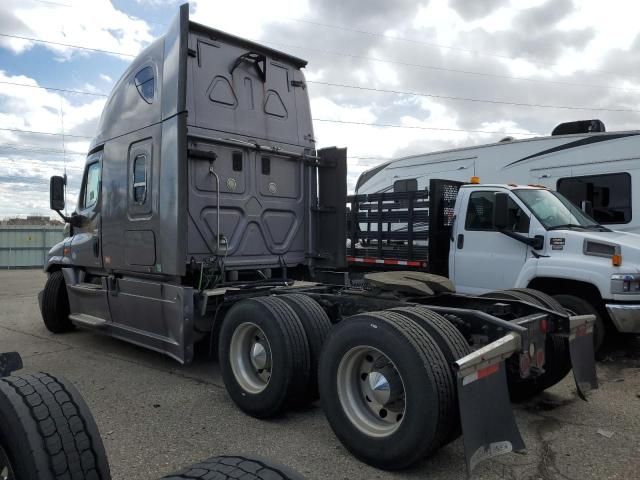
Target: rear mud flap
(582, 354)
(488, 424)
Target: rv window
(610, 195)
(407, 185)
(91, 186)
(145, 83)
(140, 179)
(480, 214)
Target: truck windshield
(554, 211)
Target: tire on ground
(230, 467)
(428, 408)
(55, 304)
(557, 358)
(317, 326)
(451, 342)
(47, 430)
(289, 357)
(580, 306)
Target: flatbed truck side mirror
(587, 207)
(501, 222)
(500, 211)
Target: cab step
(85, 320)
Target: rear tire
(417, 412)
(451, 342)
(55, 304)
(230, 467)
(47, 431)
(317, 326)
(264, 356)
(580, 306)
(557, 358)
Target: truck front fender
(56, 258)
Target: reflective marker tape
(382, 261)
(581, 331)
(483, 372)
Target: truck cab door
(485, 259)
(85, 243)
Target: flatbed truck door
(485, 259)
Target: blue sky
(549, 52)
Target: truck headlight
(625, 283)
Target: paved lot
(156, 416)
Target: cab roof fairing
(168, 54)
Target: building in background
(24, 242)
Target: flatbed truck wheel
(264, 356)
(47, 431)
(55, 304)
(317, 326)
(557, 358)
(544, 299)
(231, 467)
(451, 342)
(386, 389)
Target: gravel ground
(156, 416)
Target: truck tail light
(544, 325)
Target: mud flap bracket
(488, 424)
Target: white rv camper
(579, 159)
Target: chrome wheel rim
(6, 470)
(371, 391)
(250, 356)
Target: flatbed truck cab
(207, 214)
(541, 241)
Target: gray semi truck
(207, 214)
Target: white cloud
(91, 23)
(246, 18)
(28, 160)
(106, 78)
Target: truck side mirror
(587, 207)
(56, 193)
(500, 211)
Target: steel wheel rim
(250, 357)
(371, 391)
(6, 470)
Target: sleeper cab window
(145, 83)
(140, 179)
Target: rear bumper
(625, 316)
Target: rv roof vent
(507, 139)
(581, 126)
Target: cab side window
(480, 214)
(90, 186)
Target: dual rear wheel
(269, 350)
(385, 379)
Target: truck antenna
(64, 158)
